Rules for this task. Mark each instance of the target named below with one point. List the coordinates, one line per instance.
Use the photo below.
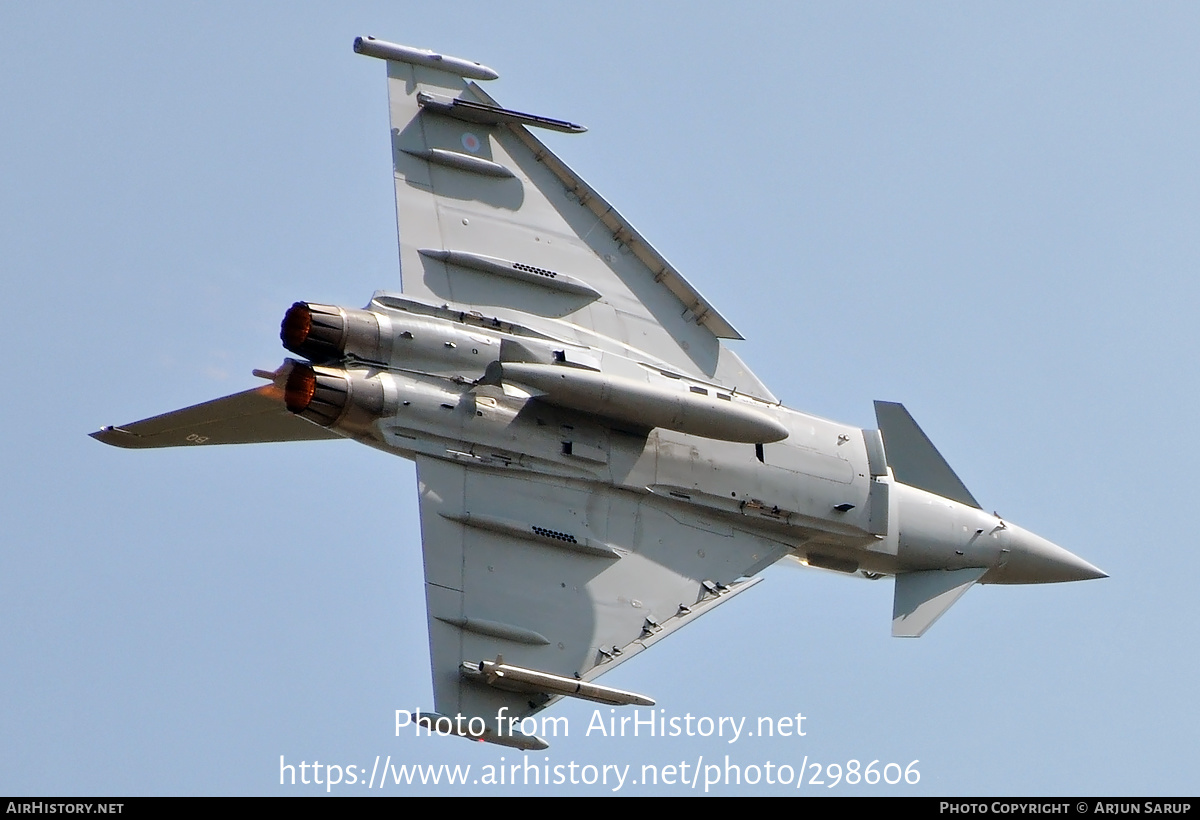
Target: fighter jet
(596, 467)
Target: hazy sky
(985, 211)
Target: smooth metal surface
(641, 404)
(913, 458)
(463, 162)
(528, 274)
(370, 47)
(518, 679)
(532, 532)
(923, 597)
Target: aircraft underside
(596, 467)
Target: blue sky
(985, 211)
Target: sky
(986, 211)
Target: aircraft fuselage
(404, 379)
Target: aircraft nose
(1034, 560)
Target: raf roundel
(470, 142)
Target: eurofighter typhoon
(596, 468)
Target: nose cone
(1034, 560)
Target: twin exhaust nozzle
(332, 336)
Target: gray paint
(667, 524)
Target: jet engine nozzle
(327, 333)
(320, 397)
(350, 401)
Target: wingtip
(114, 436)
